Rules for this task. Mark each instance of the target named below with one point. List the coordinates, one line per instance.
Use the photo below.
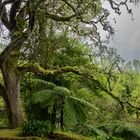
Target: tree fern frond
(69, 113)
(44, 97)
(125, 128)
(36, 82)
(74, 112)
(88, 130)
(85, 103)
(62, 91)
(122, 129)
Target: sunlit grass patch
(14, 134)
(9, 132)
(69, 136)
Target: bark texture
(12, 92)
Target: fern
(127, 129)
(44, 98)
(78, 112)
(85, 103)
(69, 113)
(74, 108)
(122, 129)
(61, 91)
(36, 83)
(31, 83)
(89, 130)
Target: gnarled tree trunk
(12, 92)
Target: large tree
(20, 18)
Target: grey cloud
(127, 37)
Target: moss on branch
(35, 68)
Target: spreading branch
(61, 18)
(35, 68)
(69, 5)
(15, 44)
(116, 6)
(13, 12)
(3, 14)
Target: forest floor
(15, 134)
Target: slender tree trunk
(62, 115)
(12, 89)
(53, 121)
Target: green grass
(9, 132)
(3, 115)
(14, 134)
(70, 136)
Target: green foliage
(44, 98)
(36, 128)
(127, 131)
(89, 130)
(115, 138)
(3, 115)
(74, 112)
(74, 108)
(69, 136)
(108, 138)
(122, 129)
(15, 134)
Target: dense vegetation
(58, 74)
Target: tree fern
(34, 84)
(69, 113)
(75, 109)
(85, 103)
(89, 130)
(61, 91)
(127, 130)
(44, 98)
(74, 112)
(38, 84)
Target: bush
(88, 130)
(36, 128)
(115, 138)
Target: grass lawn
(9, 132)
(70, 136)
(14, 134)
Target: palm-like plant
(89, 130)
(126, 130)
(72, 110)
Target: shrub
(115, 138)
(88, 130)
(36, 128)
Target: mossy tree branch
(16, 43)
(35, 68)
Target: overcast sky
(127, 36)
